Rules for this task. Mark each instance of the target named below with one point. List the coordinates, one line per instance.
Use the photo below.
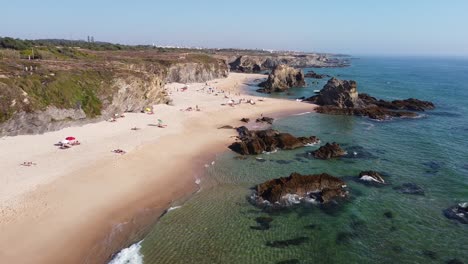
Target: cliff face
(282, 78)
(50, 98)
(196, 72)
(257, 63)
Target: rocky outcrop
(265, 119)
(371, 177)
(282, 78)
(261, 62)
(196, 72)
(312, 74)
(257, 142)
(341, 97)
(329, 151)
(338, 93)
(321, 188)
(458, 212)
(245, 64)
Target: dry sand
(79, 205)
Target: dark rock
(409, 188)
(454, 261)
(329, 151)
(430, 254)
(283, 162)
(263, 223)
(371, 177)
(458, 212)
(388, 214)
(323, 187)
(340, 97)
(289, 261)
(339, 93)
(245, 120)
(265, 119)
(312, 74)
(286, 243)
(259, 141)
(344, 237)
(282, 78)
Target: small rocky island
(340, 97)
(329, 151)
(259, 141)
(320, 188)
(282, 78)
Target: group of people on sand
(188, 109)
(232, 103)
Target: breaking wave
(130, 255)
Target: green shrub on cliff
(77, 90)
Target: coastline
(72, 207)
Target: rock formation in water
(372, 177)
(312, 74)
(341, 98)
(329, 151)
(458, 212)
(282, 78)
(257, 142)
(322, 188)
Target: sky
(393, 27)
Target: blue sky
(411, 27)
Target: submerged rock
(329, 151)
(321, 188)
(289, 261)
(340, 97)
(259, 141)
(409, 188)
(458, 212)
(263, 223)
(282, 78)
(286, 243)
(371, 177)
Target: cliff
(260, 62)
(37, 96)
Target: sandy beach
(79, 205)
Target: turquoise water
(215, 225)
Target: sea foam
(130, 255)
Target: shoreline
(72, 213)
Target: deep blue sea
(215, 225)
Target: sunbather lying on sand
(28, 163)
(119, 151)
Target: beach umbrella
(64, 141)
(160, 121)
(70, 138)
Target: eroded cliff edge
(41, 95)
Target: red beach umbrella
(70, 138)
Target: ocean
(376, 224)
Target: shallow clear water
(214, 226)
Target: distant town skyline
(351, 27)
